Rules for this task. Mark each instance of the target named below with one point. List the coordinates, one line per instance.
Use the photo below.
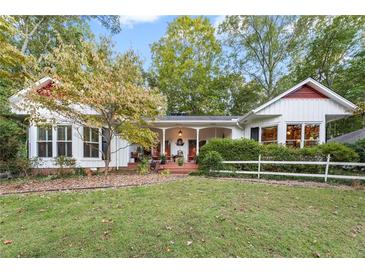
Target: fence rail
(326, 163)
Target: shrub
(143, 166)
(279, 153)
(243, 149)
(12, 137)
(163, 159)
(359, 148)
(237, 149)
(65, 162)
(339, 152)
(211, 161)
(21, 165)
(180, 161)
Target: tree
(10, 60)
(331, 42)
(26, 40)
(244, 96)
(186, 67)
(334, 55)
(108, 83)
(38, 35)
(260, 47)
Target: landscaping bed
(83, 182)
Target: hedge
(359, 147)
(245, 149)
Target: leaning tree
(98, 88)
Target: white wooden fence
(327, 164)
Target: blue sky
(139, 32)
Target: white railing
(327, 164)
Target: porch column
(197, 141)
(302, 136)
(163, 141)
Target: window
(91, 142)
(269, 135)
(255, 133)
(311, 135)
(293, 135)
(64, 141)
(44, 140)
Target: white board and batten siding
(119, 158)
(296, 111)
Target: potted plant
(180, 161)
(163, 159)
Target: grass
(195, 217)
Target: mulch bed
(90, 182)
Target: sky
(139, 32)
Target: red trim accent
(46, 90)
(305, 92)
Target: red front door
(168, 150)
(192, 150)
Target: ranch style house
(295, 118)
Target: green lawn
(196, 217)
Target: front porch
(181, 137)
(185, 142)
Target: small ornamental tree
(96, 87)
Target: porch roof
(196, 120)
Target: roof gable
(318, 87)
(305, 92)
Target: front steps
(174, 168)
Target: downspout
(239, 126)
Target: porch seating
(155, 154)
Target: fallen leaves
(8, 242)
(188, 243)
(107, 221)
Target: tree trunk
(107, 156)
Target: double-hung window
(91, 142)
(44, 141)
(64, 141)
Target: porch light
(180, 133)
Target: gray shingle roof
(349, 138)
(197, 118)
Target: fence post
(259, 167)
(327, 167)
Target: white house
(296, 118)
